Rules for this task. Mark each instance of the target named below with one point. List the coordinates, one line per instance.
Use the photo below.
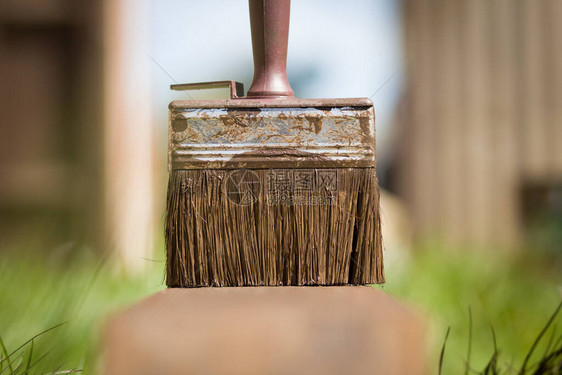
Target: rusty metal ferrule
(298, 133)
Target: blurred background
(468, 98)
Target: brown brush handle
(270, 36)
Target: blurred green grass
(513, 292)
(71, 286)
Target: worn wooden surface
(275, 330)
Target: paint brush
(269, 189)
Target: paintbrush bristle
(273, 227)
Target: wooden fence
(484, 114)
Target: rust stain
(365, 124)
(315, 123)
(243, 118)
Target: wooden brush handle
(270, 36)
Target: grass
(515, 295)
(550, 362)
(509, 296)
(79, 290)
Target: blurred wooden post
(554, 10)
(261, 330)
(485, 115)
(128, 132)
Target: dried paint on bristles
(273, 227)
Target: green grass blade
(6, 356)
(492, 367)
(30, 356)
(20, 363)
(443, 350)
(538, 339)
(30, 340)
(467, 368)
(37, 361)
(13, 371)
(550, 342)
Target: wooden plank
(128, 133)
(554, 13)
(535, 135)
(504, 192)
(449, 122)
(422, 132)
(477, 136)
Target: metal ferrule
(301, 133)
